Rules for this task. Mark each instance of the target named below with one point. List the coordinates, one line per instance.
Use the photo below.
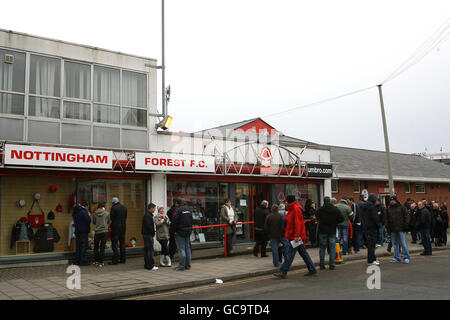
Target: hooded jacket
(182, 221)
(81, 219)
(346, 212)
(295, 226)
(397, 218)
(329, 216)
(101, 220)
(369, 214)
(21, 231)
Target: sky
(233, 60)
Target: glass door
(242, 206)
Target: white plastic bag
(156, 245)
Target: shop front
(36, 202)
(205, 196)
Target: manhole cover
(118, 283)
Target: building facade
(78, 123)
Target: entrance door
(242, 205)
(261, 191)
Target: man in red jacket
(295, 234)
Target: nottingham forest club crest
(266, 160)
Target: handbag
(36, 220)
(156, 245)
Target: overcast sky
(228, 61)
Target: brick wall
(433, 191)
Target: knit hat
(159, 208)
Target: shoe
(377, 246)
(356, 252)
(414, 242)
(263, 256)
(322, 267)
(375, 263)
(122, 261)
(255, 254)
(310, 273)
(169, 261)
(280, 275)
(406, 261)
(161, 261)
(332, 267)
(395, 260)
(155, 268)
(389, 253)
(100, 265)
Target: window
(407, 187)
(12, 82)
(334, 186)
(106, 85)
(45, 75)
(106, 114)
(75, 110)
(134, 117)
(77, 80)
(420, 187)
(356, 187)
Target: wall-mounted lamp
(164, 123)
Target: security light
(165, 123)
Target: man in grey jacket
(101, 220)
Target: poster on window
(98, 192)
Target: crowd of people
(286, 226)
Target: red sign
(382, 190)
(266, 160)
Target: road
(424, 278)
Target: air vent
(9, 58)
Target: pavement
(48, 282)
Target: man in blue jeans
(423, 224)
(182, 226)
(343, 226)
(295, 233)
(397, 223)
(328, 216)
(82, 221)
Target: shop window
(420, 187)
(407, 187)
(12, 82)
(334, 186)
(356, 187)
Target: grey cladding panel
(11, 129)
(77, 135)
(133, 139)
(42, 131)
(106, 137)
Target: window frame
(336, 184)
(408, 190)
(359, 186)
(25, 88)
(424, 187)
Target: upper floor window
(356, 187)
(407, 187)
(334, 186)
(12, 82)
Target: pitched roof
(371, 164)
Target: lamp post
(386, 142)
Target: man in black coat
(182, 227)
(148, 232)
(328, 216)
(118, 228)
(423, 224)
(260, 236)
(371, 223)
(172, 243)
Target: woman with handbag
(228, 216)
(162, 223)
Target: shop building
(360, 171)
(79, 123)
